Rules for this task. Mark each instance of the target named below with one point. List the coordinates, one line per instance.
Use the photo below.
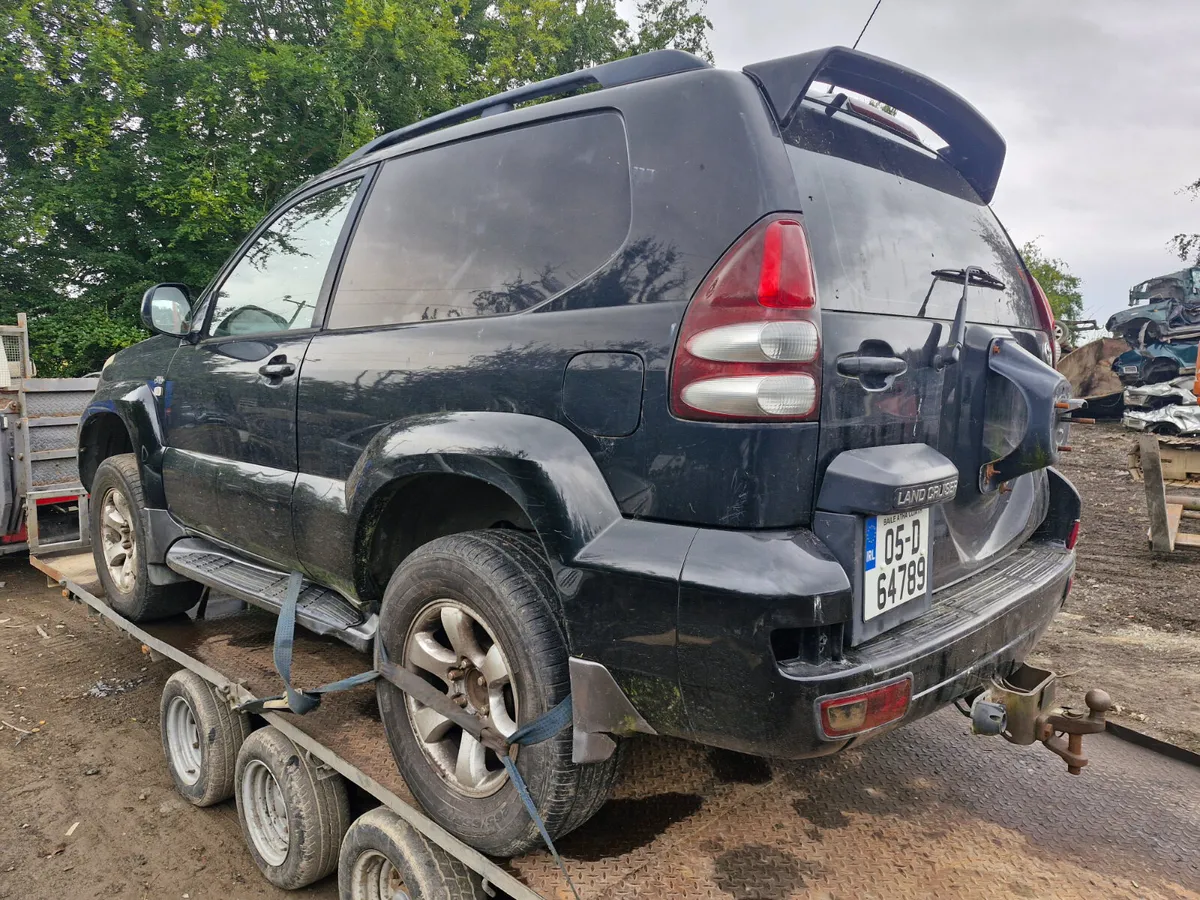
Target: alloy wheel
(451, 646)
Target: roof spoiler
(974, 148)
(612, 74)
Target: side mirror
(166, 309)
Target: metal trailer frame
(235, 693)
(47, 412)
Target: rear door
(882, 215)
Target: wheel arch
(101, 435)
(128, 423)
(476, 470)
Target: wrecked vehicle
(1171, 313)
(1175, 419)
(1167, 393)
(1155, 363)
(530, 404)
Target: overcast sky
(1099, 101)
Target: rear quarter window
(881, 215)
(492, 225)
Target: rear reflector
(850, 714)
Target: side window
(488, 226)
(276, 283)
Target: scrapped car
(703, 398)
(1155, 363)
(1167, 393)
(1175, 419)
(1172, 313)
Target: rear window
(493, 225)
(881, 215)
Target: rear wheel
(383, 857)
(475, 614)
(201, 737)
(293, 815)
(119, 546)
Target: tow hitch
(1019, 708)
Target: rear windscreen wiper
(978, 276)
(948, 355)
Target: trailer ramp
(924, 811)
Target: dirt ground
(89, 697)
(87, 809)
(1132, 623)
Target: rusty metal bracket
(1027, 696)
(1074, 725)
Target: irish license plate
(895, 561)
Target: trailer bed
(926, 810)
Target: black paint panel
(602, 393)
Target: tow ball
(1020, 708)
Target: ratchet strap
(293, 699)
(301, 702)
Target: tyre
(384, 857)
(201, 737)
(293, 815)
(118, 542)
(476, 615)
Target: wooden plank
(1174, 513)
(1156, 495)
(1187, 540)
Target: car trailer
(925, 810)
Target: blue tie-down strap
(540, 729)
(300, 702)
(297, 701)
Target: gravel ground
(1132, 622)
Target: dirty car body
(782, 476)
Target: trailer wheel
(383, 858)
(293, 815)
(201, 737)
(119, 546)
(476, 615)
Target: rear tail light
(1073, 537)
(850, 714)
(749, 347)
(1045, 316)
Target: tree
(1060, 286)
(139, 141)
(1188, 245)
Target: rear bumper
(983, 626)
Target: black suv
(718, 400)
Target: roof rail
(611, 74)
(974, 147)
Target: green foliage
(139, 141)
(1188, 245)
(1061, 287)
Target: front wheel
(475, 615)
(119, 546)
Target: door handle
(858, 366)
(279, 367)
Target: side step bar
(319, 609)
